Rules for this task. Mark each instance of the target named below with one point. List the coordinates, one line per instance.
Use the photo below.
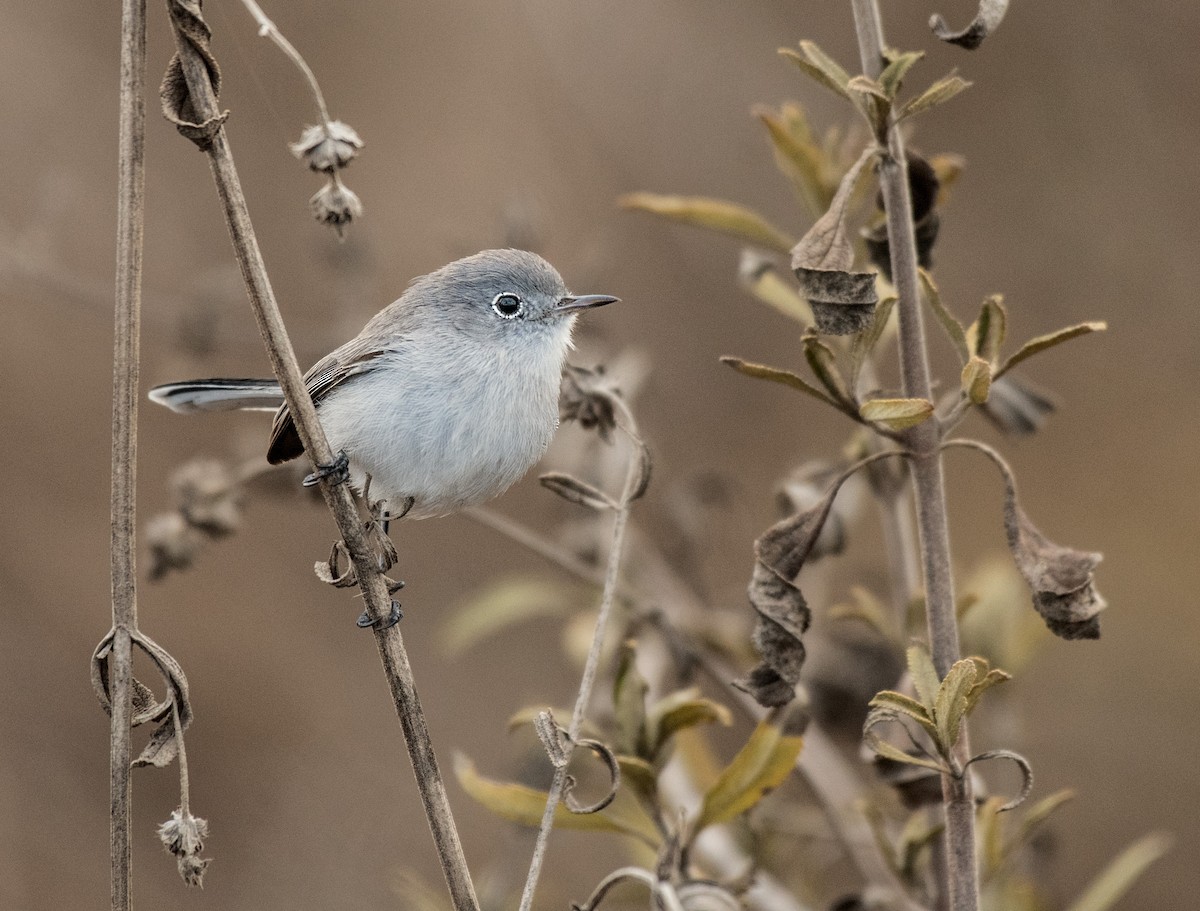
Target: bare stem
(337, 497)
(267, 28)
(928, 482)
(592, 665)
(126, 332)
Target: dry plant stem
(267, 28)
(926, 464)
(337, 497)
(592, 665)
(126, 331)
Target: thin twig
(337, 496)
(127, 327)
(267, 29)
(592, 666)
(928, 481)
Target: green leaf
(864, 343)
(821, 67)
(907, 706)
(490, 611)
(1042, 342)
(799, 158)
(1107, 888)
(977, 380)
(638, 773)
(889, 750)
(892, 77)
(760, 766)
(525, 806)
(682, 709)
(762, 279)
(938, 93)
(986, 335)
(950, 325)
(714, 214)
(986, 677)
(823, 363)
(629, 703)
(896, 414)
(924, 676)
(776, 375)
(951, 703)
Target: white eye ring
(507, 305)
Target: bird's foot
(365, 621)
(337, 471)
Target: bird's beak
(583, 302)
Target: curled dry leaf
(188, 22)
(991, 12)
(924, 186)
(586, 396)
(842, 301)
(783, 614)
(573, 490)
(330, 571)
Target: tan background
(1079, 202)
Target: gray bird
(448, 395)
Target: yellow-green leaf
(897, 414)
(892, 77)
(679, 710)
(950, 325)
(938, 93)
(525, 805)
(763, 280)
(638, 774)
(924, 676)
(987, 333)
(951, 702)
(889, 750)
(1107, 888)
(799, 158)
(977, 380)
(491, 610)
(821, 67)
(823, 363)
(1042, 342)
(1039, 813)
(629, 703)
(905, 705)
(760, 766)
(714, 214)
(864, 343)
(776, 375)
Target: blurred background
(520, 122)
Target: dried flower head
(183, 835)
(327, 147)
(336, 205)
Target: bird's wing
(352, 359)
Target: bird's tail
(218, 395)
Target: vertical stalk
(126, 332)
(926, 465)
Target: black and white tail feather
(190, 396)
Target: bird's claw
(365, 620)
(338, 471)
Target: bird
(444, 400)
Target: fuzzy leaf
(714, 214)
(896, 414)
(821, 67)
(573, 490)
(907, 706)
(1107, 888)
(680, 710)
(823, 363)
(888, 750)
(986, 335)
(776, 375)
(865, 342)
(977, 380)
(938, 93)
(768, 757)
(797, 156)
(760, 277)
(924, 676)
(892, 77)
(950, 325)
(951, 702)
(490, 611)
(985, 678)
(842, 300)
(991, 12)
(525, 805)
(629, 703)
(1042, 342)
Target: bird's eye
(508, 305)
